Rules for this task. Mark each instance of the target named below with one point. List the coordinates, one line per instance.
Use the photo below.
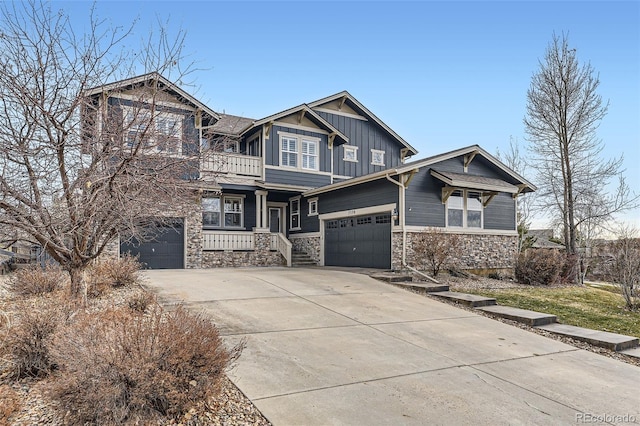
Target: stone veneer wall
(478, 252)
(262, 255)
(309, 244)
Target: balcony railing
(231, 163)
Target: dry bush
(36, 281)
(121, 367)
(540, 267)
(437, 248)
(110, 273)
(623, 267)
(26, 352)
(141, 301)
(9, 403)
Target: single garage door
(361, 241)
(165, 251)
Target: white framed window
(294, 213)
(299, 152)
(309, 154)
(465, 209)
(222, 211)
(233, 212)
(289, 151)
(377, 157)
(350, 153)
(313, 207)
(210, 212)
(162, 133)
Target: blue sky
(443, 75)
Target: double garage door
(165, 251)
(361, 241)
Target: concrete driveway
(333, 347)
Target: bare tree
(623, 267)
(515, 159)
(436, 249)
(72, 177)
(563, 113)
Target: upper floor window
(300, 152)
(350, 153)
(162, 132)
(377, 157)
(464, 209)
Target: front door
(274, 219)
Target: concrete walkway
(332, 347)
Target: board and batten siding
(365, 135)
(367, 194)
(273, 147)
(424, 207)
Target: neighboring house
(327, 178)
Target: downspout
(401, 213)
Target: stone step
(421, 287)
(613, 341)
(392, 277)
(466, 299)
(635, 352)
(524, 316)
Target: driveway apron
(327, 347)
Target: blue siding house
(327, 179)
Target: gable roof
(304, 111)
(356, 105)
(232, 125)
(154, 76)
(416, 165)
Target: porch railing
(228, 240)
(231, 163)
(283, 245)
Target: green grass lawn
(588, 307)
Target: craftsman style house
(327, 179)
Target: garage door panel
(363, 241)
(166, 251)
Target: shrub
(437, 248)
(623, 267)
(36, 281)
(111, 273)
(539, 267)
(26, 350)
(141, 301)
(125, 368)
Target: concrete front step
(613, 341)
(466, 299)
(419, 287)
(524, 316)
(635, 352)
(392, 277)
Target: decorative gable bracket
(468, 158)
(521, 189)
(447, 191)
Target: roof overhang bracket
(403, 154)
(332, 136)
(521, 189)
(487, 198)
(301, 115)
(406, 178)
(468, 158)
(341, 102)
(446, 193)
(267, 129)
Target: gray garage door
(165, 251)
(362, 241)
